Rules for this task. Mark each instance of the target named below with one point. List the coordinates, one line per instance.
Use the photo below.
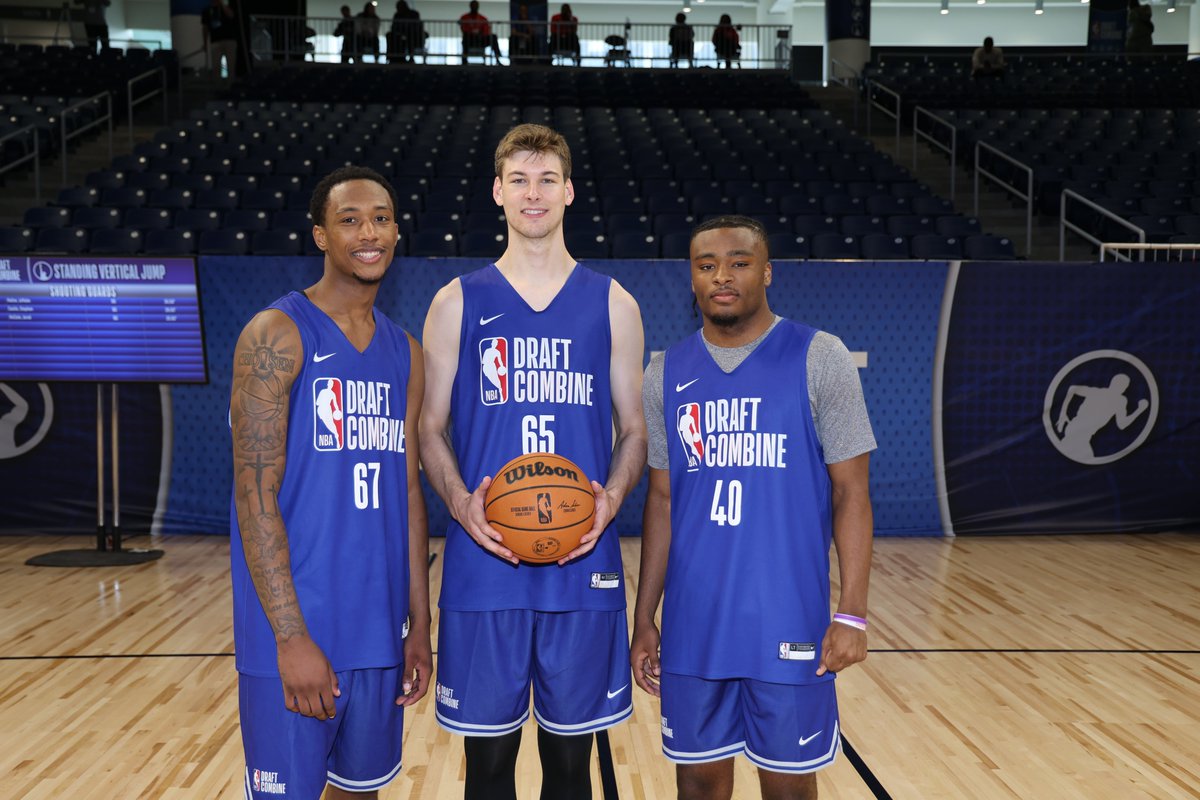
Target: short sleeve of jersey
(652, 407)
(839, 410)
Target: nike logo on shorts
(318, 358)
(806, 739)
(611, 695)
(486, 320)
(679, 387)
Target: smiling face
(730, 276)
(534, 194)
(359, 231)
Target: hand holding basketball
(543, 505)
(469, 513)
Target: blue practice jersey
(747, 588)
(532, 381)
(344, 500)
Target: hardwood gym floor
(1015, 667)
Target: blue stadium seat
(788, 245)
(198, 219)
(77, 196)
(909, 225)
(61, 240)
(173, 242)
(958, 226)
(639, 223)
(885, 247)
(123, 197)
(262, 200)
(587, 245)
(223, 242)
(193, 182)
(173, 198)
(834, 245)
(145, 219)
(634, 245)
(15, 240)
(1189, 226)
(986, 247)
(481, 244)
(862, 224)
(935, 247)
(91, 218)
(276, 243)
(840, 205)
(220, 199)
(811, 224)
(292, 220)
(242, 219)
(148, 180)
(434, 244)
(116, 242)
(1158, 229)
(47, 217)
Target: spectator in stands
(727, 42)
(477, 32)
(345, 29)
(564, 33)
(521, 40)
(366, 31)
(407, 35)
(1139, 28)
(220, 37)
(682, 40)
(95, 26)
(987, 61)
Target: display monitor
(112, 320)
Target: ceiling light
(945, 6)
(1038, 8)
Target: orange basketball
(542, 504)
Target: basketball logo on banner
(16, 409)
(1100, 407)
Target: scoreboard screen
(112, 320)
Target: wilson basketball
(542, 504)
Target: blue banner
(1107, 20)
(1071, 398)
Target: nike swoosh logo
(611, 695)
(317, 359)
(486, 320)
(806, 739)
(679, 387)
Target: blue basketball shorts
(292, 756)
(779, 727)
(576, 661)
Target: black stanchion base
(94, 558)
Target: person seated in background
(521, 40)
(727, 42)
(407, 35)
(987, 61)
(682, 40)
(477, 32)
(564, 33)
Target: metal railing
(294, 38)
(35, 156)
(894, 113)
(68, 41)
(105, 97)
(852, 80)
(1027, 196)
(1064, 225)
(136, 101)
(1167, 250)
(952, 150)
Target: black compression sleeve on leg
(492, 766)
(566, 766)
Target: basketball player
(564, 345)
(741, 543)
(329, 558)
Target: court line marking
(864, 772)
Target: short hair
(535, 139)
(732, 221)
(680, 18)
(320, 195)
(988, 42)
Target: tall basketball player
(534, 353)
(330, 583)
(770, 465)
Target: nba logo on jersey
(327, 414)
(687, 423)
(257, 783)
(493, 371)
